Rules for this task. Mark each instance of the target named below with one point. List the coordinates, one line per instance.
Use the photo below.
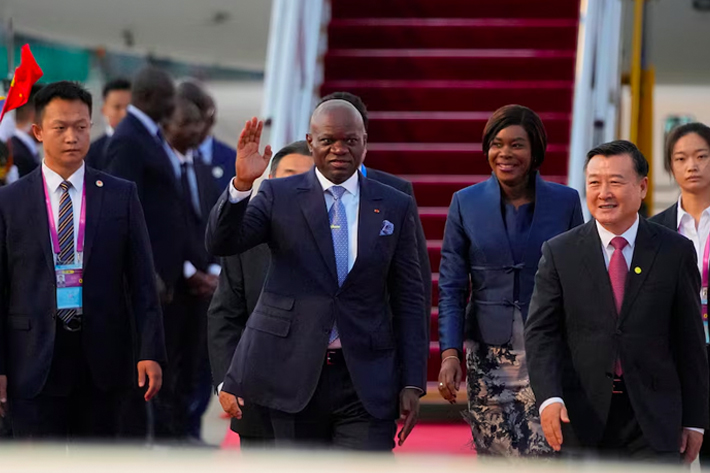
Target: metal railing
(597, 83)
(293, 67)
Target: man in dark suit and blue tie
(80, 320)
(117, 96)
(336, 347)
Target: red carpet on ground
(429, 438)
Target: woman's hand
(450, 376)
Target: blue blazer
(379, 309)
(223, 157)
(476, 260)
(122, 321)
(96, 157)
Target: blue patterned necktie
(339, 232)
(65, 233)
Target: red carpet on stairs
(431, 73)
(425, 438)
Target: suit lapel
(94, 201)
(645, 251)
(369, 224)
(591, 250)
(316, 214)
(38, 215)
(542, 218)
(488, 228)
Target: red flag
(26, 74)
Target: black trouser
(185, 323)
(623, 438)
(334, 417)
(70, 406)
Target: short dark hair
(23, 113)
(511, 115)
(297, 147)
(115, 84)
(353, 99)
(700, 129)
(64, 90)
(619, 147)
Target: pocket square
(387, 228)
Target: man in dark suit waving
(79, 314)
(336, 347)
(619, 358)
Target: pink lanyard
(704, 275)
(53, 227)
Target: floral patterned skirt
(501, 406)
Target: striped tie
(65, 233)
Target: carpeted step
(436, 191)
(449, 64)
(456, 127)
(434, 250)
(454, 33)
(434, 289)
(457, 95)
(447, 158)
(454, 9)
(434, 221)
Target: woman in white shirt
(687, 158)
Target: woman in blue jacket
(492, 244)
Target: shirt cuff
(421, 391)
(695, 429)
(214, 269)
(552, 400)
(219, 387)
(236, 196)
(188, 270)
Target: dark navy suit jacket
(223, 158)
(476, 260)
(96, 157)
(379, 309)
(120, 297)
(22, 157)
(135, 155)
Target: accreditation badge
(69, 286)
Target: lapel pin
(637, 270)
(99, 183)
(377, 211)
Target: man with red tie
(617, 359)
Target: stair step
(434, 325)
(433, 220)
(448, 158)
(455, 9)
(433, 190)
(457, 127)
(456, 95)
(434, 289)
(434, 250)
(452, 33)
(448, 64)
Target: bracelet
(448, 357)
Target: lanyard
(53, 227)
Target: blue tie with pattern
(339, 231)
(65, 233)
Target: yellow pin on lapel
(637, 270)
(99, 183)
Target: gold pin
(99, 183)
(377, 211)
(637, 270)
(335, 227)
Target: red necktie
(617, 275)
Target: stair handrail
(597, 87)
(292, 68)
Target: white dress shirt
(628, 251)
(55, 193)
